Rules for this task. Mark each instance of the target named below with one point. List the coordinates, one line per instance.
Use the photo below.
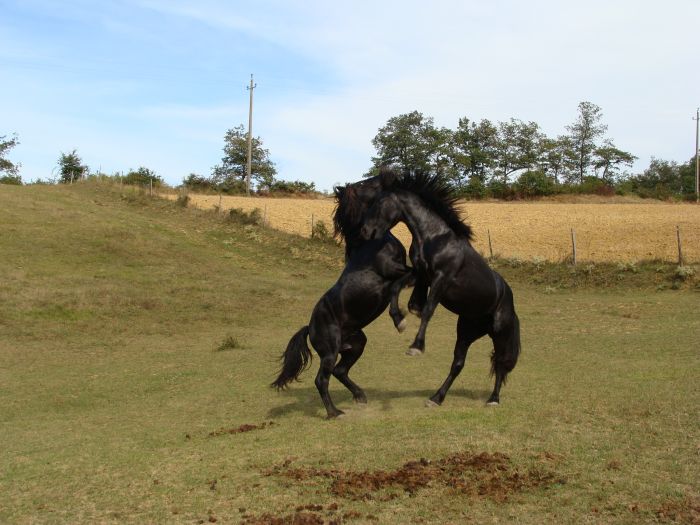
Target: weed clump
(229, 343)
(183, 200)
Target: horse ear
(387, 177)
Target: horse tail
(295, 359)
(507, 342)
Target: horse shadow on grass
(307, 401)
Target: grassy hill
(137, 339)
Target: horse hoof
(415, 311)
(360, 400)
(402, 325)
(492, 404)
(335, 415)
(431, 404)
(414, 352)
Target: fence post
(220, 208)
(265, 216)
(312, 225)
(680, 249)
(573, 244)
(490, 246)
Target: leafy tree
(664, 179)
(553, 156)
(583, 134)
(608, 159)
(474, 150)
(9, 168)
(143, 177)
(408, 142)
(230, 175)
(517, 147)
(71, 167)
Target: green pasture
(138, 339)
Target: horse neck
(422, 221)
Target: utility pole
(250, 136)
(697, 165)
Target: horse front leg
(437, 288)
(397, 316)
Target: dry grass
(618, 230)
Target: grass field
(137, 340)
(619, 230)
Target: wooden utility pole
(697, 165)
(250, 137)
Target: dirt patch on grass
(241, 429)
(307, 515)
(482, 475)
(686, 510)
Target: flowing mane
(439, 195)
(348, 212)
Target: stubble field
(611, 230)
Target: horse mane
(439, 195)
(348, 212)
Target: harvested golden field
(605, 231)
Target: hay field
(618, 232)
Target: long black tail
(295, 359)
(507, 342)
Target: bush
(183, 200)
(14, 180)
(198, 183)
(473, 189)
(239, 216)
(500, 190)
(534, 184)
(296, 187)
(142, 177)
(320, 232)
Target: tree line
(484, 159)
(516, 159)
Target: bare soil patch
(239, 430)
(482, 475)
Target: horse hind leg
(467, 333)
(327, 345)
(353, 347)
(506, 349)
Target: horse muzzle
(368, 233)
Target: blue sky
(157, 83)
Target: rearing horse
(459, 278)
(374, 274)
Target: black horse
(374, 274)
(459, 278)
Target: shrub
(320, 232)
(14, 180)
(239, 216)
(473, 189)
(198, 183)
(296, 187)
(183, 200)
(534, 184)
(142, 177)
